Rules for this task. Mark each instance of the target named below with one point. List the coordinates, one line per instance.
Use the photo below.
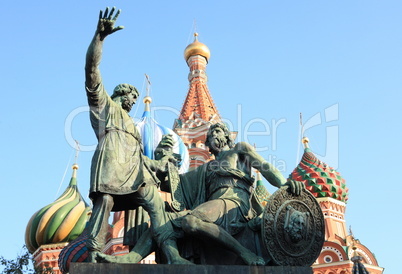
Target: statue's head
(126, 95)
(218, 137)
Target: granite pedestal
(85, 268)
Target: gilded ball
(196, 48)
(147, 99)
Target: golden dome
(196, 48)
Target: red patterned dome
(319, 178)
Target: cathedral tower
(199, 111)
(340, 247)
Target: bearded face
(125, 95)
(127, 101)
(296, 227)
(127, 104)
(217, 140)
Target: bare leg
(161, 226)
(210, 231)
(169, 248)
(98, 225)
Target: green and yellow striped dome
(61, 221)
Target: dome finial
(147, 98)
(305, 142)
(354, 248)
(147, 102)
(75, 165)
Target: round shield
(293, 228)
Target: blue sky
(339, 63)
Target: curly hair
(225, 129)
(123, 89)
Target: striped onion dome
(61, 221)
(151, 133)
(75, 251)
(261, 191)
(319, 178)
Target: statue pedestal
(84, 268)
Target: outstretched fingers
(105, 13)
(117, 28)
(111, 13)
(117, 15)
(107, 20)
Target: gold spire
(305, 141)
(75, 166)
(197, 48)
(147, 101)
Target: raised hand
(167, 142)
(106, 23)
(164, 150)
(165, 147)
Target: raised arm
(104, 28)
(269, 171)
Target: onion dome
(75, 251)
(61, 221)
(196, 48)
(151, 134)
(261, 191)
(319, 178)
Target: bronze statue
(228, 184)
(121, 177)
(214, 203)
(218, 198)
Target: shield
(293, 228)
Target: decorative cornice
(49, 248)
(331, 200)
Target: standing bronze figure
(121, 177)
